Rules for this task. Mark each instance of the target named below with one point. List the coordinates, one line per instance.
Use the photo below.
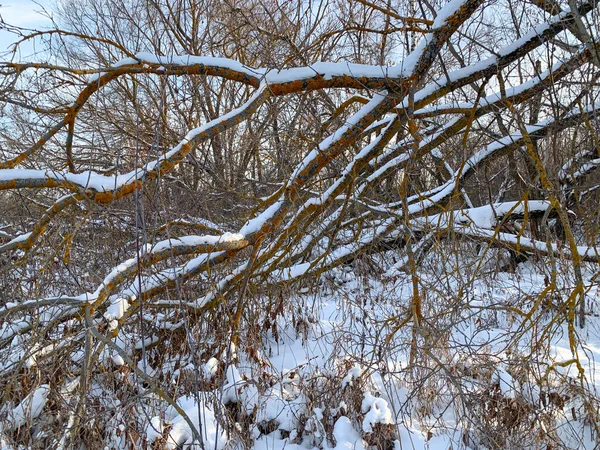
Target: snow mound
(377, 411)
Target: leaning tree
(163, 163)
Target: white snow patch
(377, 411)
(345, 435)
(210, 368)
(203, 419)
(29, 408)
(116, 309)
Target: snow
(377, 412)
(18, 239)
(366, 153)
(283, 405)
(9, 329)
(160, 278)
(86, 180)
(210, 368)
(146, 58)
(497, 97)
(117, 359)
(29, 408)
(353, 374)
(447, 11)
(505, 55)
(342, 329)
(326, 143)
(301, 386)
(254, 225)
(425, 200)
(202, 417)
(117, 308)
(327, 70)
(189, 60)
(506, 382)
(154, 429)
(237, 389)
(408, 64)
(345, 436)
(274, 441)
(566, 168)
(102, 183)
(193, 241)
(530, 244)
(584, 169)
(487, 216)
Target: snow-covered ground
(341, 364)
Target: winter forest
(301, 224)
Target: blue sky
(23, 13)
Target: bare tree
(431, 124)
